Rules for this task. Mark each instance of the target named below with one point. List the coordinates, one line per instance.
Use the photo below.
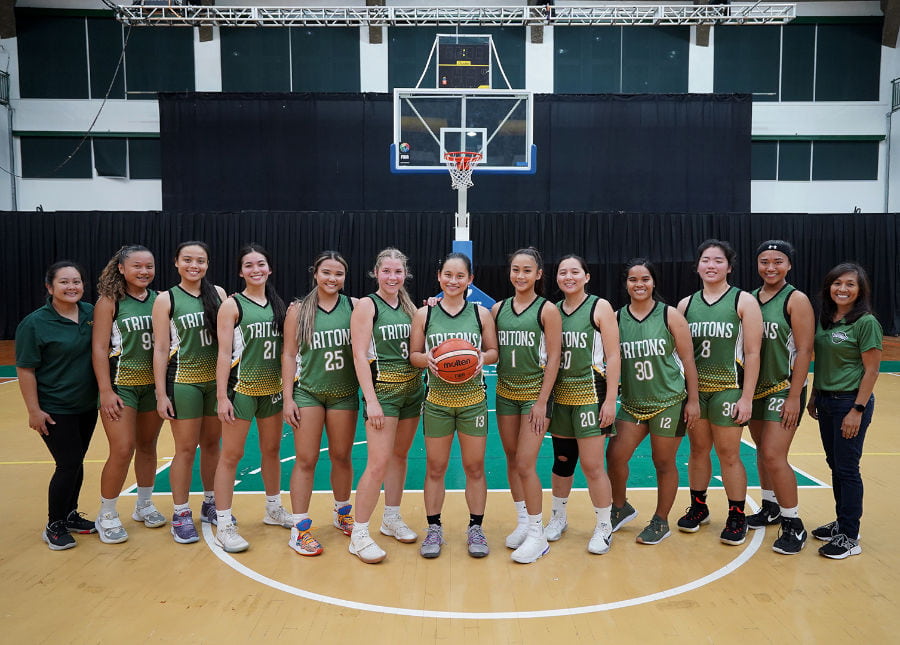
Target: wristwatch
(859, 407)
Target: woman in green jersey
(122, 351)
(848, 355)
(584, 399)
(53, 365)
(450, 408)
(787, 343)
(393, 392)
(726, 328)
(659, 396)
(184, 372)
(248, 386)
(320, 389)
(529, 334)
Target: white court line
(745, 555)
(256, 471)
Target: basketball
(457, 360)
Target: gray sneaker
(655, 532)
(477, 543)
(183, 529)
(431, 545)
(621, 515)
(149, 515)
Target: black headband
(777, 245)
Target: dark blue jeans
(843, 457)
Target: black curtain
(686, 153)
(32, 241)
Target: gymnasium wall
(606, 240)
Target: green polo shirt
(59, 352)
(838, 365)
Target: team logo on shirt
(838, 337)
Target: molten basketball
(457, 360)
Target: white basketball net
(461, 165)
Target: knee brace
(565, 456)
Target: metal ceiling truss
(178, 15)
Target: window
(255, 60)
(802, 61)
(845, 160)
(325, 60)
(764, 160)
(621, 59)
(52, 57)
(45, 158)
(816, 159)
(117, 156)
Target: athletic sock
(209, 496)
(144, 495)
(475, 519)
(521, 512)
(433, 519)
(790, 512)
(769, 496)
(223, 516)
(182, 507)
(273, 502)
(559, 505)
(339, 505)
(603, 514)
(698, 497)
(358, 527)
(391, 511)
(536, 525)
(736, 506)
(108, 505)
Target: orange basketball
(457, 360)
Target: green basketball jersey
(441, 326)
(718, 340)
(193, 349)
(325, 366)
(256, 350)
(582, 360)
(131, 341)
(389, 347)
(523, 351)
(652, 372)
(778, 351)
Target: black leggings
(68, 442)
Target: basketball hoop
(461, 165)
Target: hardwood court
(688, 588)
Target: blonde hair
(391, 253)
(309, 304)
(111, 283)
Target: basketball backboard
(431, 122)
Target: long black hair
(208, 294)
(647, 264)
(863, 304)
(535, 255)
(278, 307)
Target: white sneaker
(601, 539)
(364, 547)
(149, 515)
(395, 527)
(278, 516)
(109, 528)
(555, 528)
(515, 539)
(533, 548)
(230, 540)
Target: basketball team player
(450, 408)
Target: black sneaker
(769, 514)
(694, 516)
(735, 531)
(77, 523)
(791, 537)
(840, 547)
(57, 537)
(826, 532)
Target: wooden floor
(689, 588)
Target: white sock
(145, 496)
(209, 496)
(108, 505)
(358, 527)
(339, 505)
(535, 524)
(521, 512)
(603, 515)
(769, 496)
(273, 502)
(299, 517)
(391, 511)
(223, 516)
(182, 507)
(790, 512)
(559, 505)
